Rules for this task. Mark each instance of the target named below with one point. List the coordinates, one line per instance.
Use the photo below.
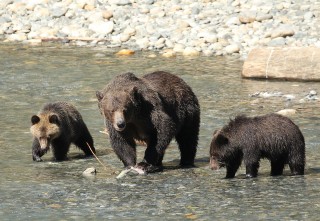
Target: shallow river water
(32, 76)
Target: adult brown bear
(155, 109)
(271, 136)
(58, 125)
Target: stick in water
(96, 156)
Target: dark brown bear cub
(272, 136)
(155, 109)
(58, 125)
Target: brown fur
(154, 109)
(271, 136)
(56, 126)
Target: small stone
(143, 43)
(247, 17)
(101, 27)
(125, 52)
(189, 51)
(169, 53)
(233, 48)
(107, 14)
(17, 37)
(261, 17)
(130, 31)
(287, 112)
(91, 171)
(178, 48)
(280, 41)
(58, 12)
(124, 37)
(283, 31)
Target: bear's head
(119, 107)
(218, 149)
(45, 127)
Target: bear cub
(154, 109)
(271, 136)
(58, 125)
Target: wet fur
(154, 109)
(272, 136)
(55, 127)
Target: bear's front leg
(152, 161)
(36, 151)
(124, 147)
(252, 169)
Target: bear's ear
(134, 94)
(99, 95)
(221, 139)
(53, 119)
(35, 119)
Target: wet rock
(189, 51)
(91, 171)
(125, 52)
(169, 53)
(312, 95)
(287, 112)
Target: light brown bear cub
(57, 125)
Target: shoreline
(209, 28)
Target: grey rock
(279, 41)
(282, 31)
(58, 11)
(233, 48)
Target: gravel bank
(188, 27)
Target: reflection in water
(31, 77)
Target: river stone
(233, 48)
(247, 17)
(190, 51)
(5, 3)
(101, 27)
(287, 112)
(276, 42)
(17, 37)
(107, 14)
(169, 53)
(282, 31)
(58, 11)
(125, 52)
(91, 171)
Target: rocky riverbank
(188, 27)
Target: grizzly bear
(154, 109)
(271, 136)
(58, 125)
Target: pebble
(188, 27)
(91, 171)
(287, 112)
(125, 52)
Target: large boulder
(289, 63)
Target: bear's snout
(119, 121)
(44, 143)
(121, 125)
(214, 165)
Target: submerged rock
(91, 171)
